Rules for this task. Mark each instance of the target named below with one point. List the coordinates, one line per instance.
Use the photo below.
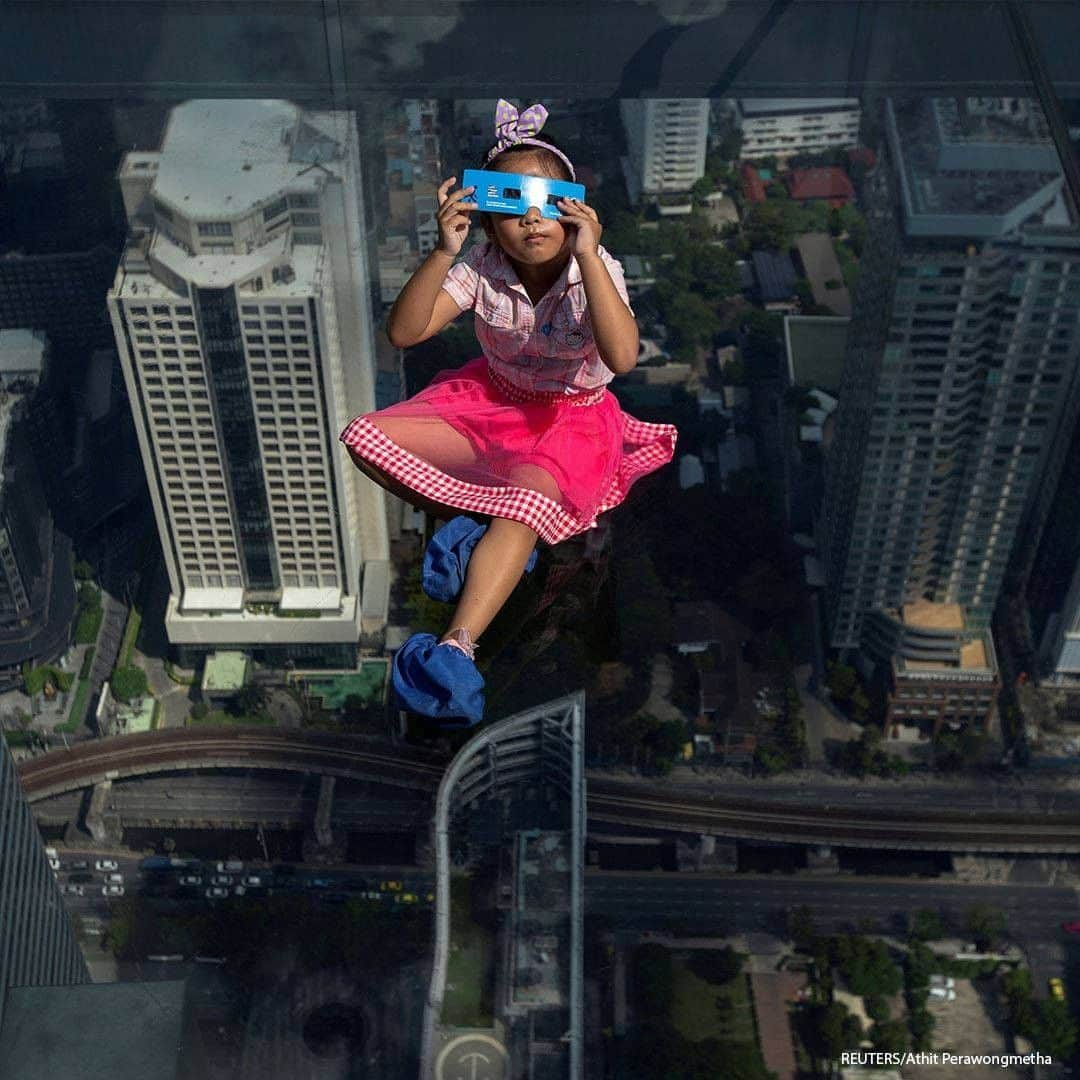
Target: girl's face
(529, 238)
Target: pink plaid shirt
(546, 348)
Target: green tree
(765, 226)
(921, 1024)
(731, 145)
(801, 927)
(200, 710)
(654, 981)
(89, 599)
(986, 925)
(83, 570)
(717, 966)
(643, 608)
(129, 683)
(1055, 1030)
(925, 925)
(890, 1036)
(842, 681)
(866, 965)
(251, 700)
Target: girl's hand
(586, 224)
(453, 217)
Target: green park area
(470, 967)
(701, 1010)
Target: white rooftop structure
(22, 353)
(221, 158)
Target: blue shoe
(447, 558)
(438, 680)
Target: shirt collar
(503, 269)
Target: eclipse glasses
(514, 193)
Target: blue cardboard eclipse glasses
(514, 193)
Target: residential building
(780, 127)
(829, 184)
(939, 673)
(37, 943)
(241, 313)
(959, 392)
(666, 139)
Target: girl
(527, 434)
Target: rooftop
(225, 672)
(933, 616)
(815, 347)
(221, 158)
(22, 350)
(794, 106)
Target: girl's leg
(495, 568)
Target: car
(79, 864)
(75, 890)
(221, 879)
(405, 898)
(115, 879)
(215, 892)
(390, 886)
(943, 993)
(253, 879)
(1071, 927)
(230, 866)
(240, 890)
(106, 864)
(430, 898)
(190, 879)
(1057, 988)
(112, 890)
(943, 980)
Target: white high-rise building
(780, 127)
(666, 139)
(241, 313)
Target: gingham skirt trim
(550, 521)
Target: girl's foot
(443, 684)
(446, 558)
(460, 638)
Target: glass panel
(835, 636)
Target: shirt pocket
(566, 334)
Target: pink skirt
(473, 442)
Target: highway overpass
(745, 816)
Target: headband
(514, 129)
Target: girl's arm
(423, 307)
(614, 329)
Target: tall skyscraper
(960, 389)
(37, 943)
(241, 312)
(666, 139)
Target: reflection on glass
(829, 641)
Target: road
(747, 903)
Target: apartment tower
(241, 313)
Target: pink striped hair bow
(513, 129)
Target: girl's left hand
(586, 224)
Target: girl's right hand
(453, 217)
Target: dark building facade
(37, 942)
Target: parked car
(53, 857)
(75, 890)
(943, 992)
(1057, 988)
(79, 864)
(405, 898)
(230, 866)
(240, 890)
(253, 879)
(115, 879)
(106, 864)
(112, 890)
(221, 879)
(190, 879)
(943, 980)
(215, 892)
(391, 886)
